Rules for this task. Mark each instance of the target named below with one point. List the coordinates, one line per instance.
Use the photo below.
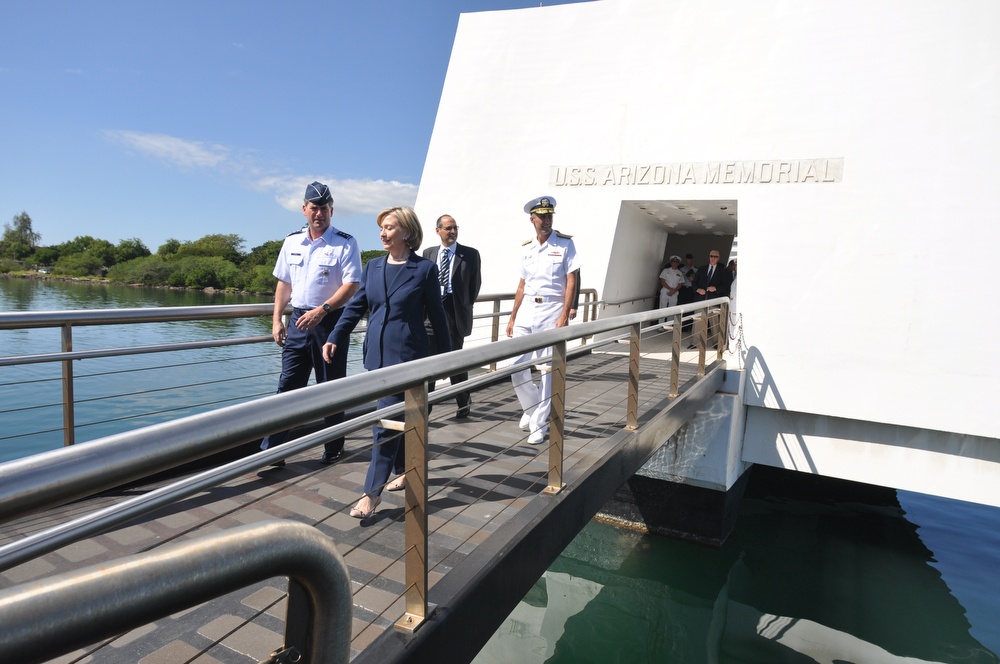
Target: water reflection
(816, 571)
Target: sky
(174, 120)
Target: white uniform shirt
(544, 267)
(672, 277)
(316, 269)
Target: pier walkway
(487, 510)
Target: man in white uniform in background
(544, 297)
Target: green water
(816, 571)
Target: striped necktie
(444, 272)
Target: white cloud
(351, 196)
(174, 151)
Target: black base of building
(680, 511)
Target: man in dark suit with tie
(713, 280)
(459, 270)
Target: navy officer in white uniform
(318, 271)
(545, 295)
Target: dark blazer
(396, 312)
(466, 280)
(722, 279)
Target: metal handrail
(58, 476)
(43, 619)
(67, 320)
(61, 475)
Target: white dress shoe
(525, 421)
(536, 437)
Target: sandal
(397, 484)
(358, 513)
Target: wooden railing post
(675, 355)
(632, 411)
(557, 419)
(701, 334)
(69, 417)
(415, 517)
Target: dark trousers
(388, 452)
(457, 342)
(301, 355)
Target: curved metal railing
(65, 474)
(256, 372)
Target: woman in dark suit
(398, 291)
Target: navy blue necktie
(444, 272)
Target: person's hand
(700, 291)
(510, 327)
(563, 320)
(278, 332)
(572, 314)
(310, 319)
(328, 350)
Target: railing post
(723, 330)
(557, 419)
(415, 517)
(702, 339)
(495, 336)
(675, 356)
(69, 419)
(632, 414)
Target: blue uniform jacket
(396, 313)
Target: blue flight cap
(318, 194)
(541, 205)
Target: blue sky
(178, 119)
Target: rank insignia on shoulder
(346, 236)
(526, 243)
(301, 230)
(563, 235)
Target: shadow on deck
(493, 532)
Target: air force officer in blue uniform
(318, 270)
(398, 291)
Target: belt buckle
(539, 300)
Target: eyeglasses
(449, 228)
(713, 255)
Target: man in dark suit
(713, 279)
(459, 269)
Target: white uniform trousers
(535, 399)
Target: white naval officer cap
(541, 205)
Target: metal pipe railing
(67, 320)
(61, 475)
(50, 617)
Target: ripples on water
(117, 394)
(816, 571)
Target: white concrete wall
(870, 298)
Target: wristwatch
(327, 308)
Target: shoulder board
(346, 236)
(563, 235)
(526, 243)
(301, 230)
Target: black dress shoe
(280, 463)
(464, 411)
(329, 458)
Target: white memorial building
(849, 146)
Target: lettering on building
(774, 171)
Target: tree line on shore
(213, 261)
